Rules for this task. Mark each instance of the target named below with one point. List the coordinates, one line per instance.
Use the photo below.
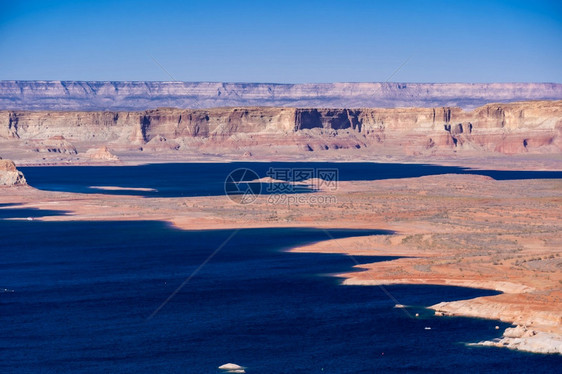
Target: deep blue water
(83, 292)
(207, 179)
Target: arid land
(461, 230)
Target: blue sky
(282, 41)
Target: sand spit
(117, 188)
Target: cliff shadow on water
(82, 292)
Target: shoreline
(538, 333)
(130, 157)
(448, 229)
(498, 163)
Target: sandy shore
(458, 230)
(23, 156)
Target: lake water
(83, 293)
(207, 179)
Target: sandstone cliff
(506, 128)
(128, 96)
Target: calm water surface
(83, 292)
(207, 179)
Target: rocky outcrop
(101, 154)
(10, 175)
(533, 126)
(537, 321)
(232, 368)
(526, 339)
(55, 144)
(132, 96)
(334, 119)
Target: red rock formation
(533, 126)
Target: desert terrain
(452, 229)
(461, 230)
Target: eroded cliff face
(128, 96)
(533, 126)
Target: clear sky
(287, 41)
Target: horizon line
(264, 83)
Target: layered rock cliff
(533, 126)
(77, 95)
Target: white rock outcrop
(232, 368)
(526, 339)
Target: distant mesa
(132, 96)
(10, 175)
